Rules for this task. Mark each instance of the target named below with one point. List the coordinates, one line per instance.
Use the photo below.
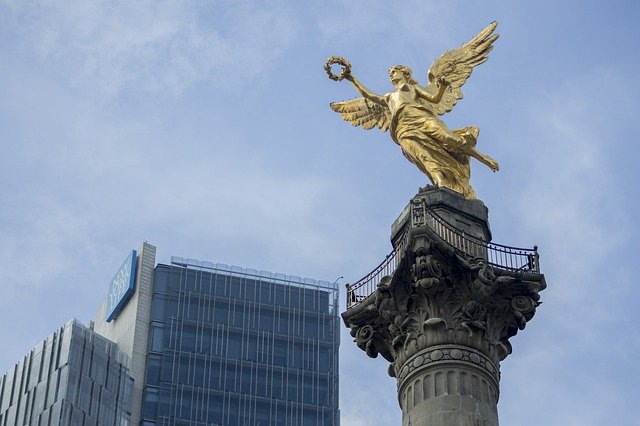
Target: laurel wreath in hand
(346, 67)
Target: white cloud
(109, 46)
(54, 230)
(381, 23)
(368, 394)
(573, 204)
(570, 165)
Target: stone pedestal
(444, 316)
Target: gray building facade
(187, 343)
(234, 346)
(74, 377)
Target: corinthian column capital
(444, 313)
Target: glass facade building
(74, 377)
(233, 346)
(190, 343)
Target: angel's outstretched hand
(441, 81)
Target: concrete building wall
(130, 329)
(74, 376)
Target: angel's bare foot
(485, 159)
(493, 164)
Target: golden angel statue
(411, 113)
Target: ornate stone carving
(441, 354)
(438, 296)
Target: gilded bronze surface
(411, 113)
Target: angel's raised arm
(366, 93)
(442, 87)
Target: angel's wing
(361, 112)
(456, 65)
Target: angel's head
(399, 72)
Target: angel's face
(396, 75)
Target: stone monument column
(441, 310)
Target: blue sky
(203, 127)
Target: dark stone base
(469, 216)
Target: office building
(217, 345)
(187, 343)
(232, 346)
(74, 377)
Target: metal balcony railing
(497, 255)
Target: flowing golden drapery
(424, 141)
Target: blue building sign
(122, 287)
